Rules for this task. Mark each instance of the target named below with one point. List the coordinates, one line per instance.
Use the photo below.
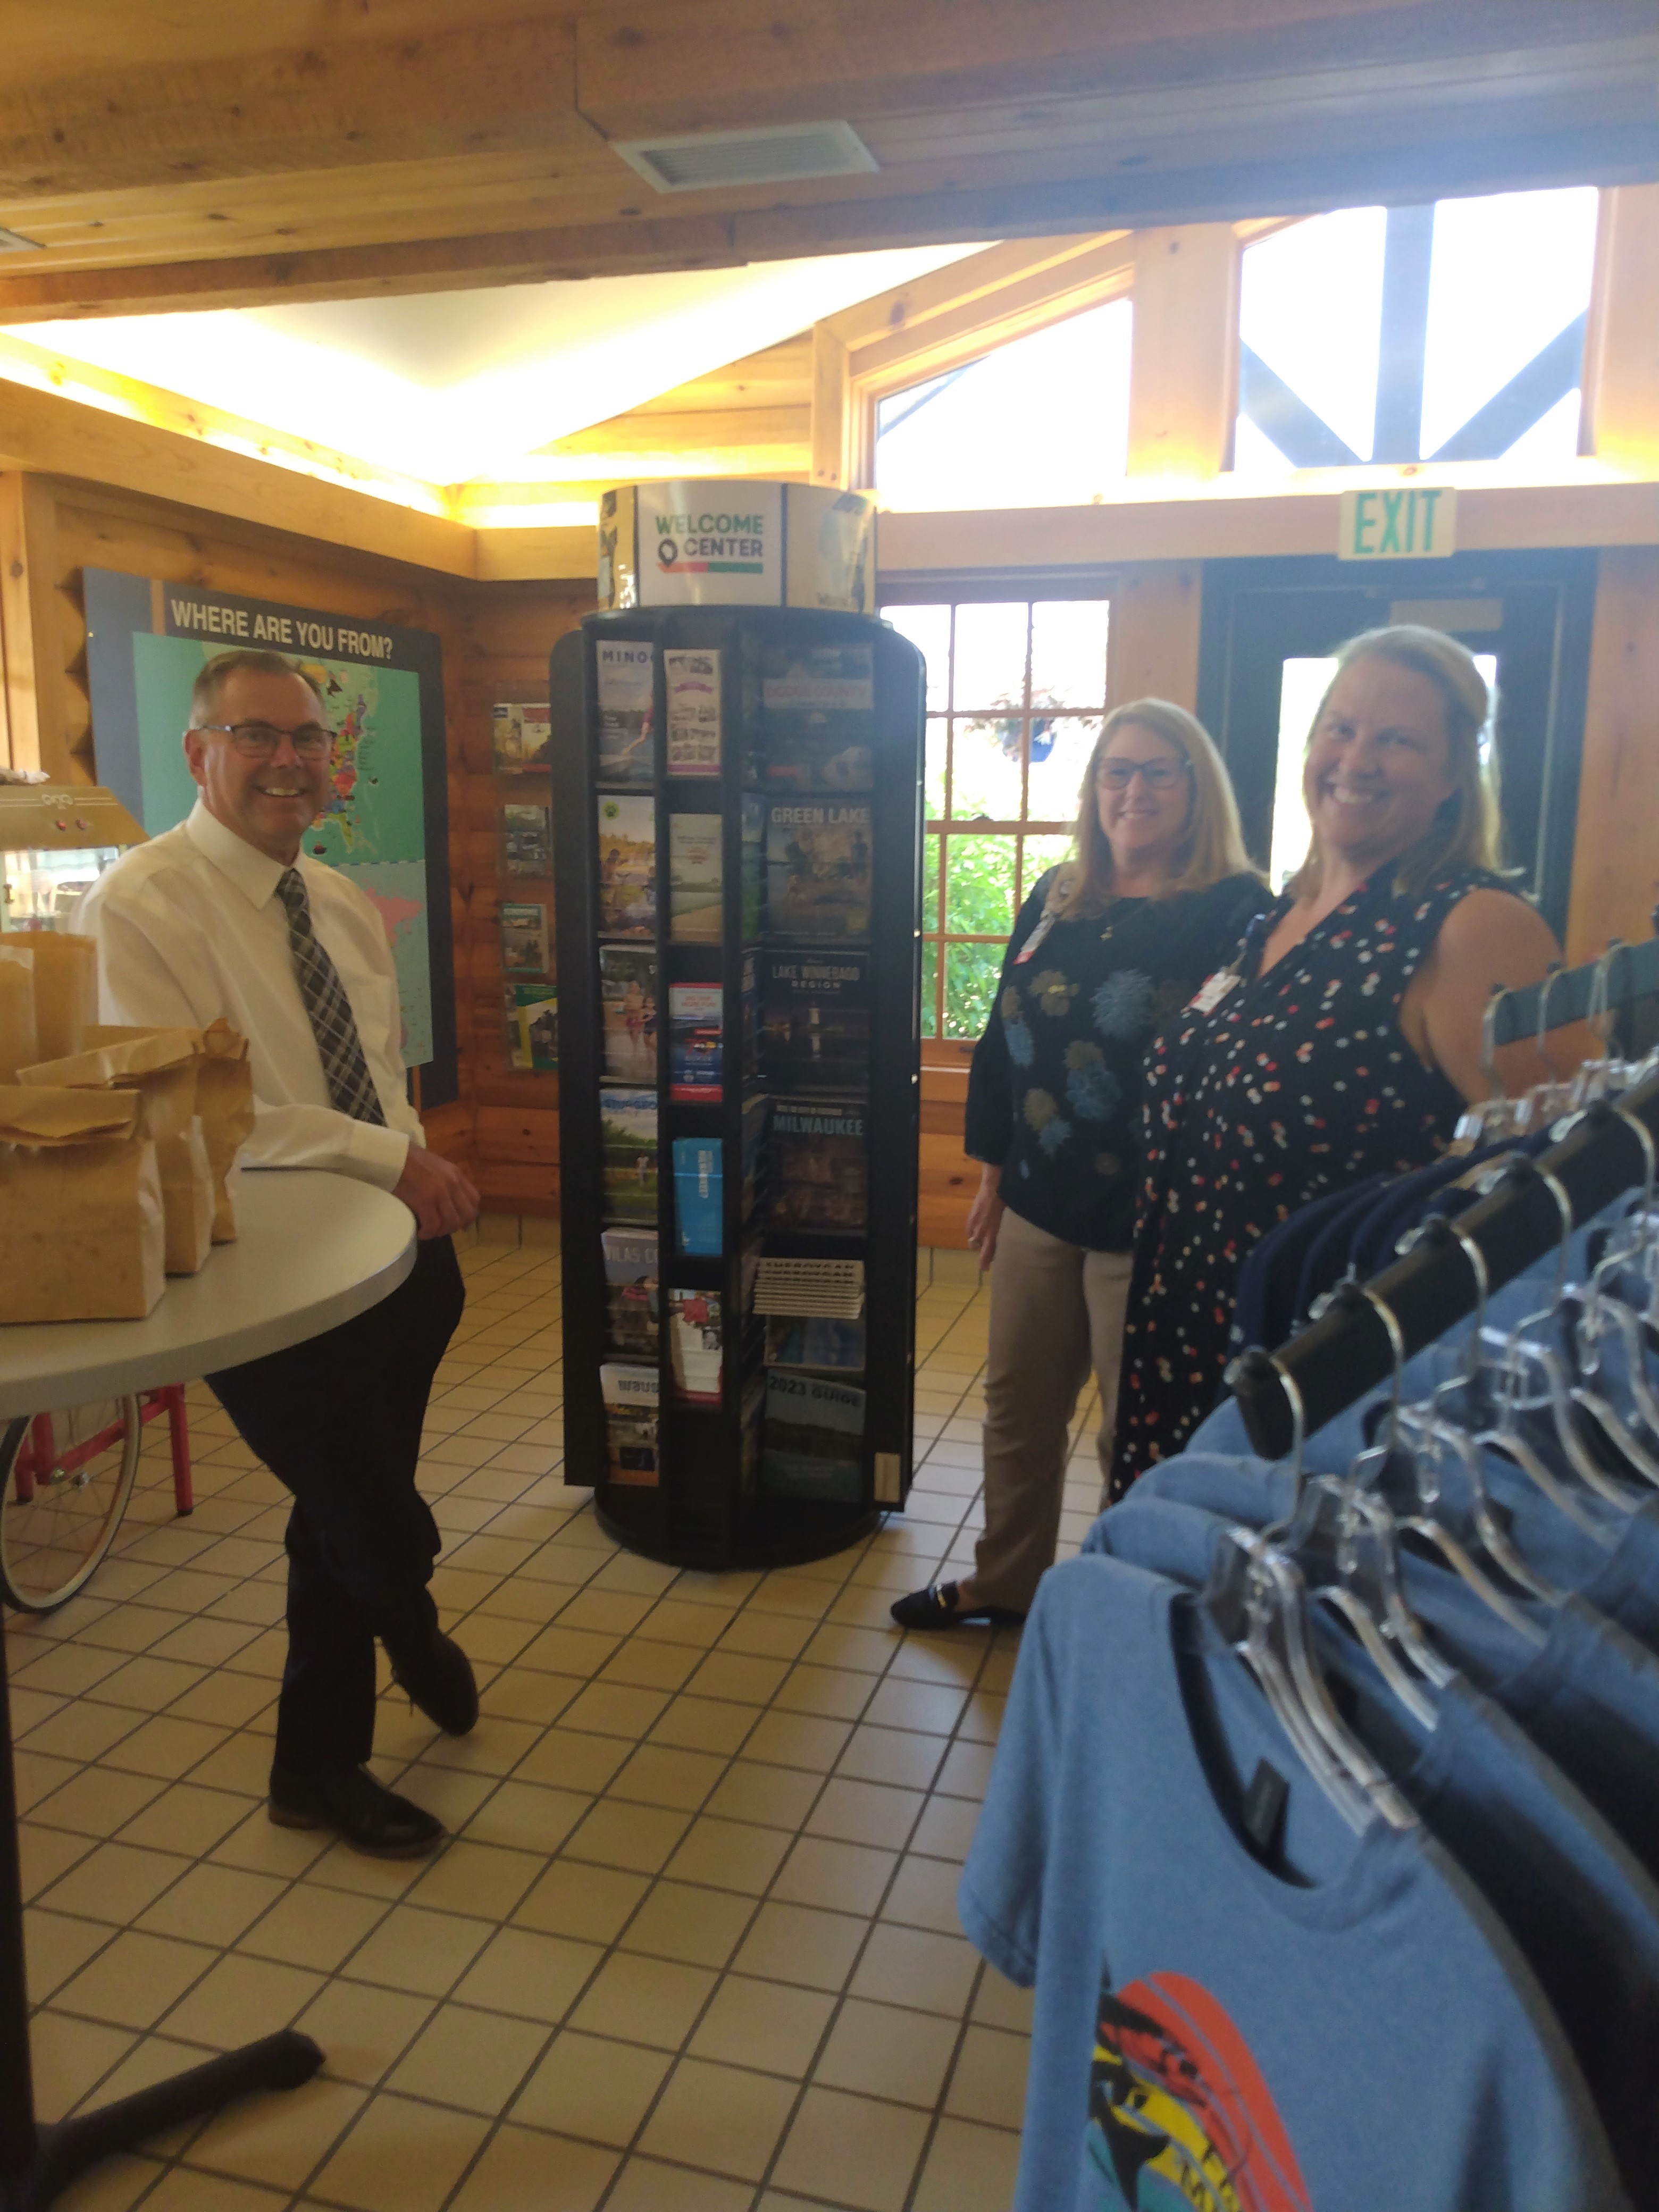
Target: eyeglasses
(259, 740)
(1157, 776)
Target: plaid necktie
(351, 1087)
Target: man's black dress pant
(339, 1420)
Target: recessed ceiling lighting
(700, 161)
(12, 242)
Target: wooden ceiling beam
(1389, 167)
(52, 436)
(725, 63)
(477, 89)
(45, 44)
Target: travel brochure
(630, 1419)
(628, 1120)
(694, 1343)
(625, 671)
(522, 737)
(533, 1024)
(698, 1182)
(812, 1442)
(816, 1020)
(817, 868)
(628, 866)
(630, 1289)
(694, 879)
(526, 840)
(820, 1173)
(524, 937)
(694, 1042)
(819, 702)
(692, 681)
(628, 1010)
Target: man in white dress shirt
(224, 916)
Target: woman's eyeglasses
(259, 740)
(1157, 776)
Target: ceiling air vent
(12, 242)
(783, 154)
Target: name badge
(1211, 995)
(1034, 940)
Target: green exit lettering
(1415, 522)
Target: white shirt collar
(254, 873)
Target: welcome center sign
(384, 822)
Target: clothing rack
(1625, 973)
(1349, 1350)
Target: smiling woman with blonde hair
(1105, 948)
(1347, 1040)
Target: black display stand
(710, 1506)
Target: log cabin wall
(506, 632)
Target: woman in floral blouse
(1105, 949)
(1347, 1041)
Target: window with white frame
(1016, 694)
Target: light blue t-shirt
(1576, 1900)
(1350, 2029)
(1589, 1698)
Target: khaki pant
(1056, 1311)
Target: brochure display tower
(737, 811)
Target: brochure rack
(737, 817)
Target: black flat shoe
(438, 1680)
(352, 1802)
(936, 1607)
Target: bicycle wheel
(65, 1477)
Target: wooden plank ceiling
(175, 154)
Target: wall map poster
(386, 821)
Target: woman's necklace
(1112, 912)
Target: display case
(735, 799)
(523, 879)
(55, 843)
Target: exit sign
(1418, 522)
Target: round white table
(312, 1251)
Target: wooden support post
(1154, 649)
(1183, 366)
(37, 692)
(1616, 860)
(1619, 423)
(832, 400)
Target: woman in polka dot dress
(1104, 951)
(1346, 1039)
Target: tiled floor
(693, 1946)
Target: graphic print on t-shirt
(1180, 2119)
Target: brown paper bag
(224, 1100)
(66, 990)
(82, 1236)
(158, 1066)
(187, 1199)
